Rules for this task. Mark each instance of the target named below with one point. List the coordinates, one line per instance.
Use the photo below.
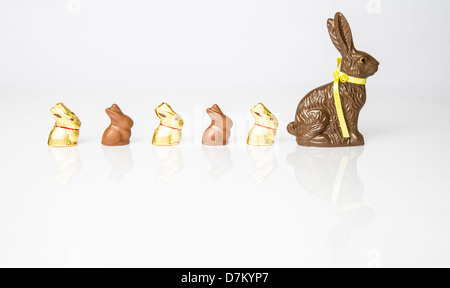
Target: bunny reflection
(68, 163)
(265, 162)
(121, 160)
(332, 175)
(220, 159)
(171, 161)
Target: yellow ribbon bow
(342, 77)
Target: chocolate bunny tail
(291, 129)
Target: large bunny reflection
(332, 175)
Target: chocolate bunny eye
(362, 60)
(258, 114)
(57, 115)
(162, 115)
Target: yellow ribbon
(342, 77)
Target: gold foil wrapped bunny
(169, 131)
(67, 127)
(264, 131)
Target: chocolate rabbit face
(220, 119)
(264, 117)
(119, 119)
(354, 63)
(168, 117)
(64, 117)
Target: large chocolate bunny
(328, 115)
(119, 131)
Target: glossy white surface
(385, 204)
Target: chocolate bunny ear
(114, 112)
(340, 33)
(116, 108)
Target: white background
(190, 206)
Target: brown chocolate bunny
(316, 121)
(218, 133)
(119, 132)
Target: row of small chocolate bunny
(325, 117)
(66, 131)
